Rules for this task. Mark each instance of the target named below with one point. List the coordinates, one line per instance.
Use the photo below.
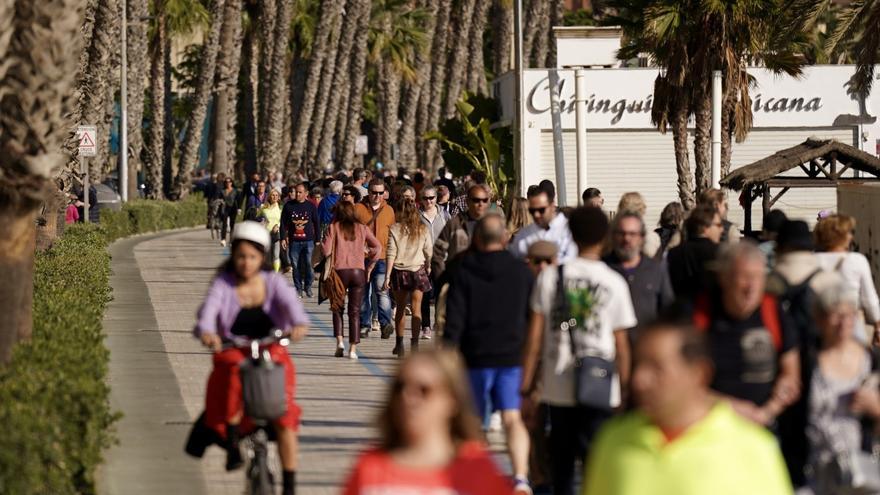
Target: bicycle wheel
(259, 476)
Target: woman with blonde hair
(270, 214)
(519, 216)
(429, 439)
(408, 255)
(834, 236)
(633, 202)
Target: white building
(625, 152)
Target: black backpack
(797, 304)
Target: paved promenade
(158, 373)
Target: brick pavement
(340, 398)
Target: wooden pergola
(822, 161)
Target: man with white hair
(753, 343)
(325, 208)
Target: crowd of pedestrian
(623, 358)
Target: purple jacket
(221, 306)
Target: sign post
(88, 147)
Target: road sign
(86, 135)
(361, 146)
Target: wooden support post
(747, 207)
(765, 203)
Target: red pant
(224, 401)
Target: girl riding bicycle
(247, 299)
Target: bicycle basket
(263, 390)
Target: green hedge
(56, 415)
(144, 215)
(55, 412)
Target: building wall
(625, 152)
(863, 203)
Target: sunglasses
(540, 210)
(429, 198)
(625, 233)
(377, 193)
(346, 194)
(478, 200)
(541, 261)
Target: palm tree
(225, 93)
(464, 19)
(858, 24)
(154, 158)
(95, 75)
(430, 105)
(190, 146)
(337, 100)
(397, 34)
(170, 18)
(39, 95)
(270, 151)
(302, 116)
(475, 78)
(502, 34)
(329, 78)
(414, 90)
(689, 40)
(268, 13)
(138, 14)
(358, 76)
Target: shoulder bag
(593, 375)
(331, 285)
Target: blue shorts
(501, 385)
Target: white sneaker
(353, 355)
(374, 327)
(222, 242)
(495, 421)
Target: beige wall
(863, 203)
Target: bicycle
(262, 385)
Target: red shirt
(472, 472)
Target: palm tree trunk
(155, 148)
(702, 138)
(358, 75)
(303, 115)
(502, 34)
(542, 35)
(94, 76)
(431, 105)
(39, 95)
(388, 100)
(137, 67)
(270, 154)
(190, 147)
(476, 72)
(170, 140)
(246, 103)
(329, 78)
(679, 123)
(557, 11)
(227, 71)
(266, 25)
(532, 30)
(412, 97)
(354, 10)
(464, 21)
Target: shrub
(54, 398)
(143, 215)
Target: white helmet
(254, 232)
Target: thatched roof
(790, 158)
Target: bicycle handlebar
(277, 336)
